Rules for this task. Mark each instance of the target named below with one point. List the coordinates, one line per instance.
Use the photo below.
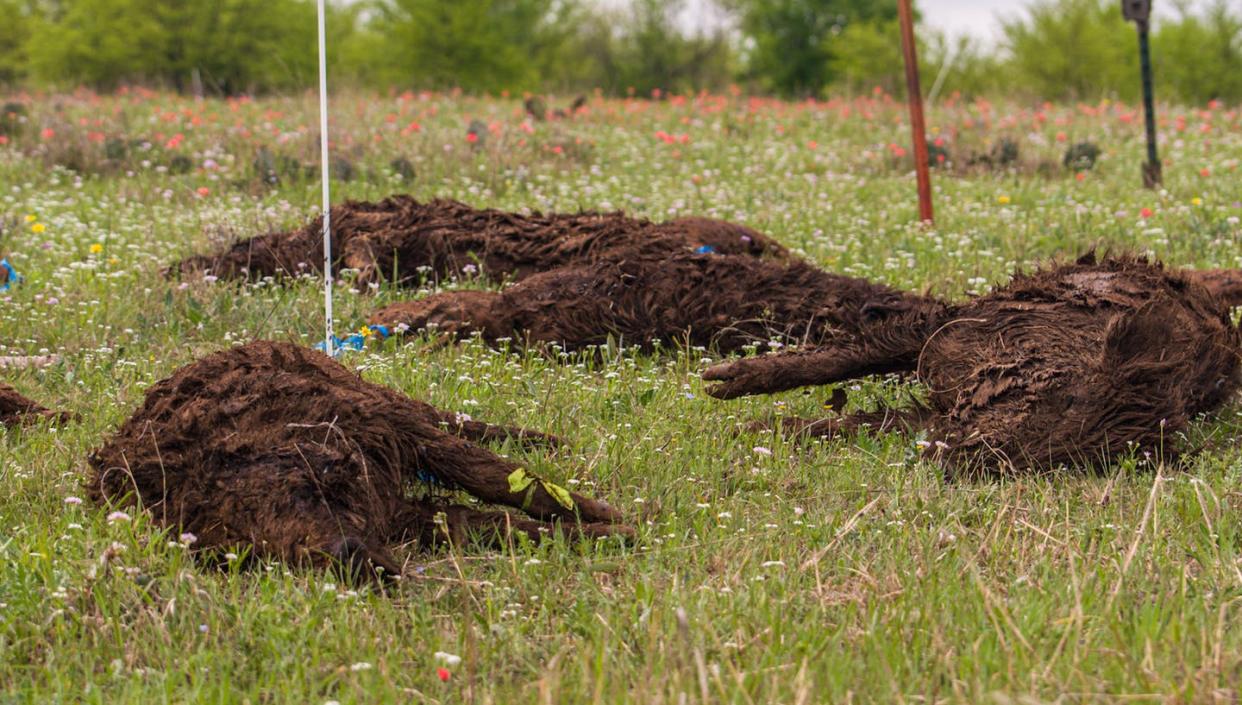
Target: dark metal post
(914, 95)
(1139, 12)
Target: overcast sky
(978, 18)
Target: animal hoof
(734, 379)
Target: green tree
(237, 45)
(868, 55)
(642, 49)
(1072, 49)
(477, 45)
(101, 43)
(1199, 57)
(792, 43)
(14, 33)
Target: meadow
(765, 570)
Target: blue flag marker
(13, 278)
(356, 341)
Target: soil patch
(281, 450)
(410, 243)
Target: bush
(476, 45)
(792, 43)
(1199, 57)
(1073, 49)
(641, 50)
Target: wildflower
(472, 137)
(360, 666)
(203, 192)
(48, 133)
(96, 248)
(1196, 201)
(117, 516)
(1205, 172)
(187, 538)
(31, 218)
(1146, 213)
(447, 659)
(71, 500)
(1003, 200)
(38, 228)
(760, 450)
(443, 674)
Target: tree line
(1055, 49)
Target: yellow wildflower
(38, 228)
(96, 248)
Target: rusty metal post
(1139, 12)
(914, 95)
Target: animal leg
(457, 313)
(775, 373)
(482, 432)
(493, 479)
(430, 525)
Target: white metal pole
(327, 199)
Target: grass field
(765, 571)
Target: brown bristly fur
(16, 409)
(723, 301)
(443, 238)
(280, 449)
(1069, 364)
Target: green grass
(765, 571)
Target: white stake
(327, 199)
